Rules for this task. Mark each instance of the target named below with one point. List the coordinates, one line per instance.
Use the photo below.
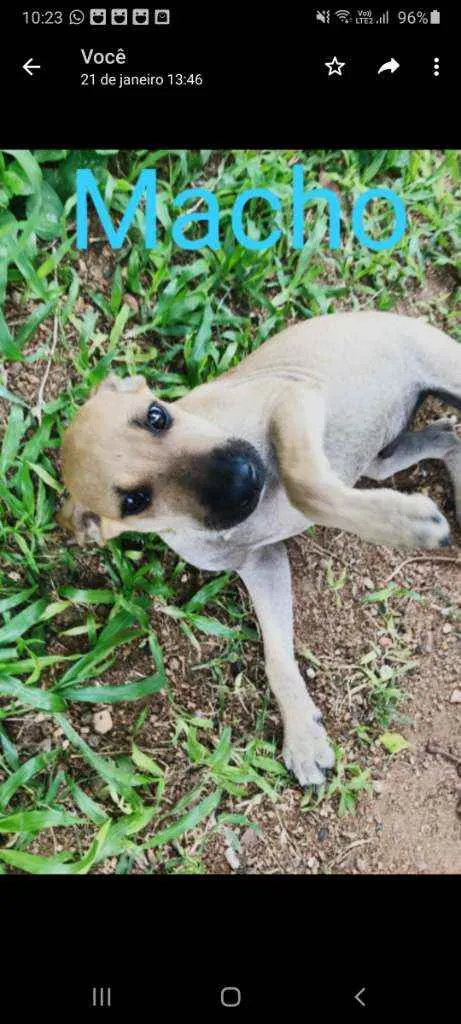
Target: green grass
(70, 621)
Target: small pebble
(249, 838)
(102, 722)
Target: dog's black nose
(233, 480)
(242, 480)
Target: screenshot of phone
(230, 506)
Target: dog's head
(131, 461)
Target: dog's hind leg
(452, 461)
(445, 384)
(439, 364)
(439, 367)
(436, 441)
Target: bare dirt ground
(410, 823)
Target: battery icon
(435, 17)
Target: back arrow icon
(29, 67)
(357, 997)
(391, 66)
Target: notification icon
(140, 16)
(119, 16)
(98, 16)
(162, 17)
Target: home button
(231, 996)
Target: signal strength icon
(343, 16)
(384, 19)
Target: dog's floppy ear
(121, 384)
(85, 525)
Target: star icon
(334, 67)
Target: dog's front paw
(422, 525)
(307, 752)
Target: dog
(229, 471)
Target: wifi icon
(343, 15)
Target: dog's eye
(157, 417)
(134, 502)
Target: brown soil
(410, 824)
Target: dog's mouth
(228, 482)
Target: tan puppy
(224, 474)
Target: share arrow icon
(390, 65)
